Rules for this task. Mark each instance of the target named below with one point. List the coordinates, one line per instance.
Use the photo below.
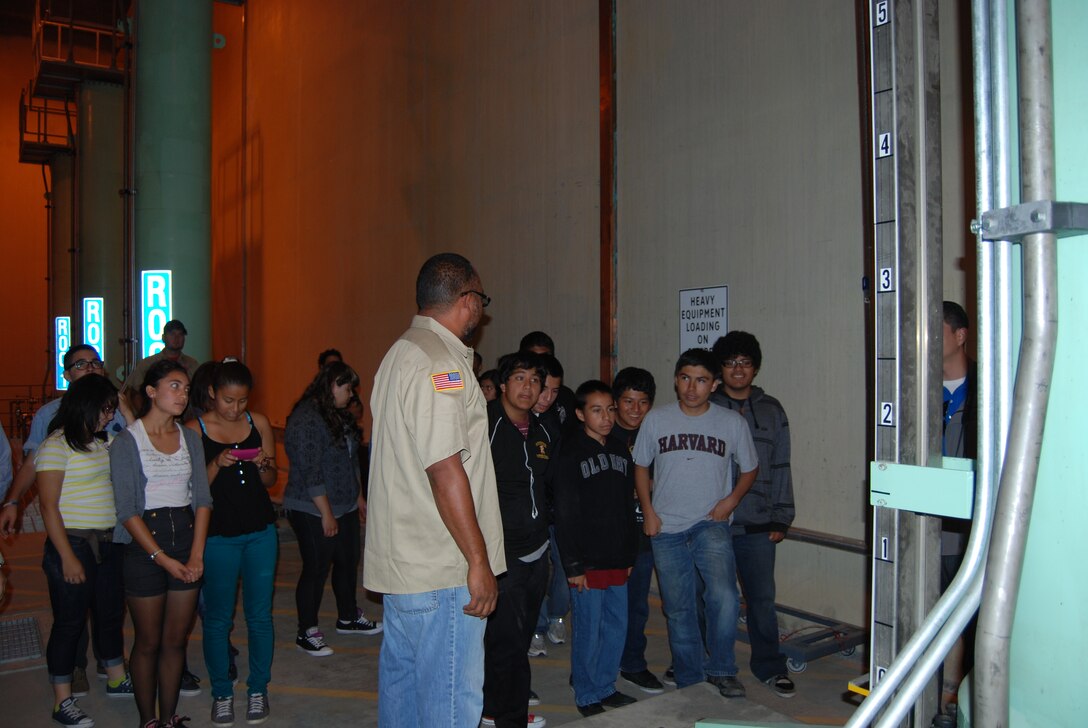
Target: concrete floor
(341, 690)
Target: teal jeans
(252, 558)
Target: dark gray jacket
(130, 483)
(768, 506)
(319, 466)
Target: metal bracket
(1064, 219)
(945, 491)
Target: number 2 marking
(887, 414)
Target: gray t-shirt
(693, 461)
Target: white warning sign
(703, 316)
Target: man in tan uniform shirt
(434, 533)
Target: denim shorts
(172, 529)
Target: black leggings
(319, 553)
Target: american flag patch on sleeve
(447, 380)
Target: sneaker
(534, 699)
(591, 709)
(781, 685)
(943, 720)
(359, 625)
(68, 713)
(557, 631)
(80, 686)
(670, 677)
(535, 721)
(123, 689)
(618, 700)
(223, 711)
(313, 643)
(728, 686)
(536, 647)
(190, 684)
(257, 712)
(645, 680)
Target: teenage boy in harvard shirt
(595, 527)
(521, 448)
(692, 445)
(634, 390)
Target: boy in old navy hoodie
(598, 541)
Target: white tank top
(168, 476)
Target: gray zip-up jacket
(130, 483)
(768, 506)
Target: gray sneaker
(536, 647)
(257, 712)
(728, 686)
(557, 631)
(223, 711)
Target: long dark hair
(319, 391)
(80, 408)
(155, 375)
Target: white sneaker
(536, 647)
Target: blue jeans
(431, 669)
(703, 551)
(600, 625)
(556, 602)
(251, 557)
(755, 566)
(638, 612)
(102, 593)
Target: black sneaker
(257, 712)
(223, 712)
(591, 709)
(313, 643)
(534, 699)
(123, 689)
(359, 625)
(190, 684)
(728, 686)
(68, 713)
(670, 677)
(781, 685)
(618, 700)
(645, 681)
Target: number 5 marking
(882, 12)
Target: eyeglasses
(733, 363)
(109, 409)
(484, 298)
(84, 363)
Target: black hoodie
(520, 467)
(594, 513)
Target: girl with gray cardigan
(163, 505)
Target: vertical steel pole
(1021, 467)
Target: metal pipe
(1003, 345)
(1021, 467)
(918, 659)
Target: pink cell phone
(246, 454)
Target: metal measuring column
(905, 84)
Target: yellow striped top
(86, 494)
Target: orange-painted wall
(25, 326)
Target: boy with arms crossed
(692, 446)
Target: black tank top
(240, 500)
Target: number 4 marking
(882, 12)
(884, 145)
